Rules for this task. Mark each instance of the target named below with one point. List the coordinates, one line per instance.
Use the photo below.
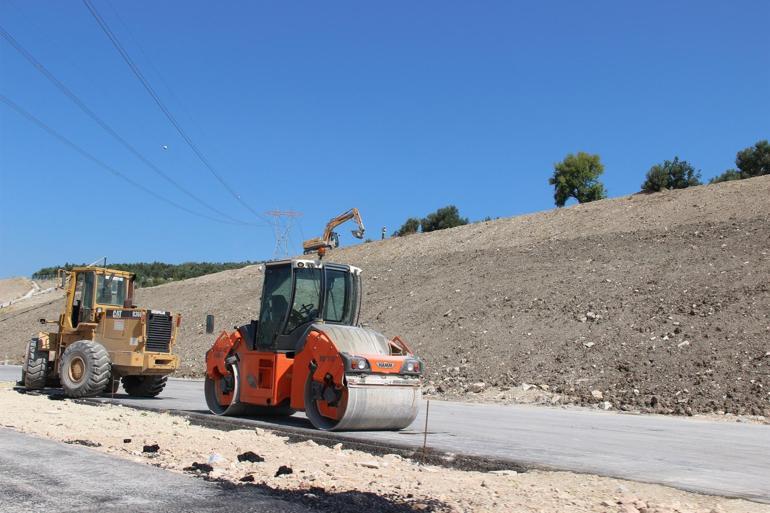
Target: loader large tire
(35, 371)
(144, 386)
(85, 369)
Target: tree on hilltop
(671, 174)
(410, 226)
(577, 176)
(752, 161)
(445, 217)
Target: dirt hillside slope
(13, 288)
(654, 302)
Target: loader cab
(298, 293)
(92, 289)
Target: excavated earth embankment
(655, 302)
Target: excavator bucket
(358, 234)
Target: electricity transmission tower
(282, 222)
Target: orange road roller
(307, 352)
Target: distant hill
(650, 302)
(156, 273)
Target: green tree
(155, 273)
(445, 217)
(577, 176)
(754, 160)
(671, 174)
(410, 226)
(751, 161)
(727, 176)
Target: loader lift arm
(329, 238)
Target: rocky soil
(336, 479)
(658, 303)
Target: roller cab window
(307, 296)
(276, 296)
(341, 300)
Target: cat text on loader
(103, 339)
(307, 352)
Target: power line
(145, 56)
(20, 110)
(107, 128)
(138, 73)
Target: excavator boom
(329, 239)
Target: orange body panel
(318, 347)
(265, 377)
(215, 357)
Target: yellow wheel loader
(102, 339)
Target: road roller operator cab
(307, 352)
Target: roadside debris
(283, 470)
(86, 443)
(199, 467)
(250, 457)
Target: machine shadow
(349, 501)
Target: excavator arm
(328, 240)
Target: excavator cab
(307, 352)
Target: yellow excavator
(330, 239)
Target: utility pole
(282, 221)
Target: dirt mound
(653, 302)
(13, 288)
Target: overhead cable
(159, 102)
(20, 110)
(106, 127)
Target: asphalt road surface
(723, 458)
(39, 475)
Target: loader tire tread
(36, 370)
(144, 386)
(97, 369)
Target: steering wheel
(302, 314)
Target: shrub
(754, 160)
(445, 217)
(727, 176)
(410, 226)
(671, 174)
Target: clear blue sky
(397, 108)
